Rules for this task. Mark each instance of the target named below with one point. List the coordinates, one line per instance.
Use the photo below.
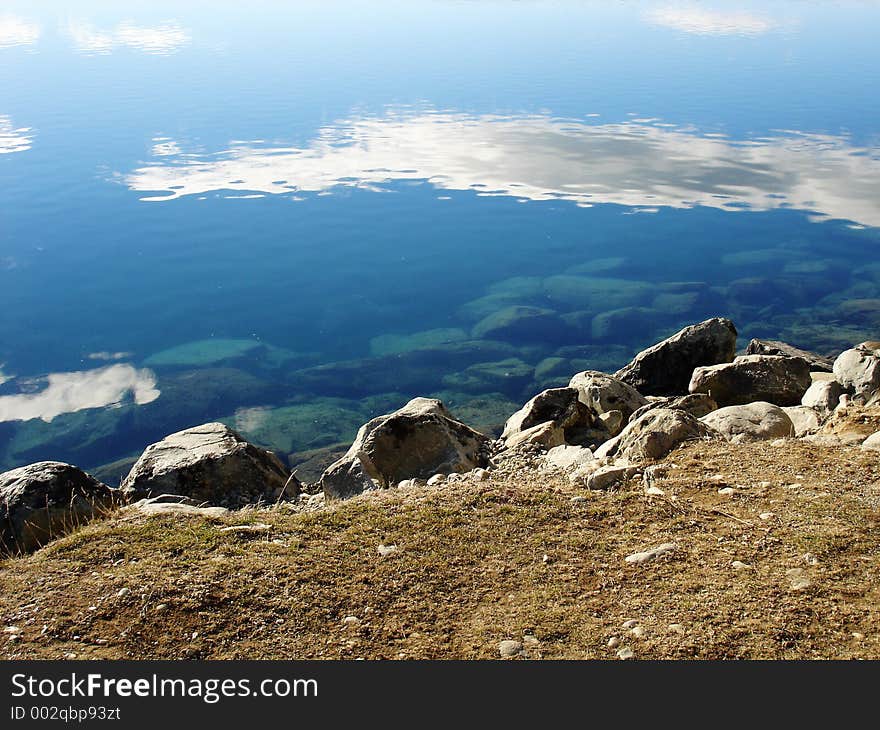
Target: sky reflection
(162, 40)
(15, 31)
(13, 139)
(641, 163)
(703, 21)
(69, 392)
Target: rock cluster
(600, 428)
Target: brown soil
(478, 563)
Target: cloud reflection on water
(640, 163)
(15, 31)
(160, 40)
(702, 21)
(69, 392)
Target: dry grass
(471, 570)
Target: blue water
(291, 217)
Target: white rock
(677, 629)
(122, 592)
(727, 491)
(823, 395)
(739, 565)
(613, 642)
(637, 631)
(351, 621)
(481, 475)
(625, 653)
(766, 515)
(510, 648)
(567, 457)
(385, 550)
(653, 553)
(607, 476)
(805, 420)
(436, 479)
(872, 443)
(655, 491)
(758, 421)
(630, 623)
(798, 579)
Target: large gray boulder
(415, 442)
(749, 378)
(561, 407)
(858, 370)
(775, 347)
(750, 422)
(654, 435)
(697, 404)
(665, 368)
(603, 393)
(46, 500)
(211, 464)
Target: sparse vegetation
(481, 562)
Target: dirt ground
(524, 556)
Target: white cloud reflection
(693, 19)
(69, 392)
(13, 139)
(15, 31)
(642, 165)
(160, 40)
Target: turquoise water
(292, 217)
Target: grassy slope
(471, 571)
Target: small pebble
(70, 655)
(351, 621)
(530, 641)
(727, 491)
(810, 559)
(613, 642)
(637, 631)
(858, 635)
(766, 515)
(676, 628)
(161, 606)
(123, 592)
(625, 653)
(385, 550)
(481, 475)
(11, 630)
(765, 485)
(655, 491)
(14, 638)
(630, 623)
(579, 500)
(797, 579)
(739, 565)
(436, 479)
(509, 648)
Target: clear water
(293, 216)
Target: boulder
(858, 370)
(602, 393)
(758, 421)
(653, 435)
(42, 501)
(775, 347)
(806, 420)
(546, 434)
(415, 442)
(567, 457)
(749, 378)
(872, 443)
(822, 395)
(697, 404)
(665, 368)
(608, 476)
(560, 406)
(210, 464)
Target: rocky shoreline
(599, 429)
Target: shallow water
(292, 218)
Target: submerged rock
(213, 464)
(392, 344)
(666, 368)
(522, 324)
(758, 421)
(749, 378)
(507, 376)
(654, 435)
(46, 500)
(415, 442)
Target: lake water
(294, 216)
